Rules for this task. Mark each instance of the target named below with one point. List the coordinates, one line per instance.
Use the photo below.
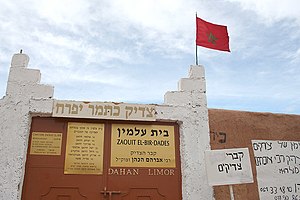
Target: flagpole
(196, 55)
(196, 43)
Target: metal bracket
(107, 193)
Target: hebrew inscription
(103, 110)
(278, 169)
(142, 146)
(228, 166)
(84, 150)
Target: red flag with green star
(211, 36)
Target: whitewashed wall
(26, 97)
(188, 105)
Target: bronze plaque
(142, 146)
(44, 143)
(84, 149)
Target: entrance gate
(84, 159)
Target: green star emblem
(211, 38)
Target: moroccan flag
(211, 36)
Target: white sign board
(228, 166)
(278, 169)
(103, 110)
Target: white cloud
(67, 14)
(156, 15)
(273, 10)
(295, 57)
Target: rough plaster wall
(189, 106)
(24, 95)
(239, 128)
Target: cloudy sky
(136, 50)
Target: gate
(82, 159)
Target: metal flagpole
(196, 42)
(231, 192)
(196, 55)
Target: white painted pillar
(24, 94)
(188, 105)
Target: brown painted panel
(236, 129)
(153, 183)
(143, 194)
(63, 193)
(45, 178)
(44, 175)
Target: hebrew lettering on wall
(218, 137)
(278, 169)
(103, 110)
(228, 166)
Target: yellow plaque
(142, 146)
(84, 149)
(44, 143)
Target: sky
(134, 51)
